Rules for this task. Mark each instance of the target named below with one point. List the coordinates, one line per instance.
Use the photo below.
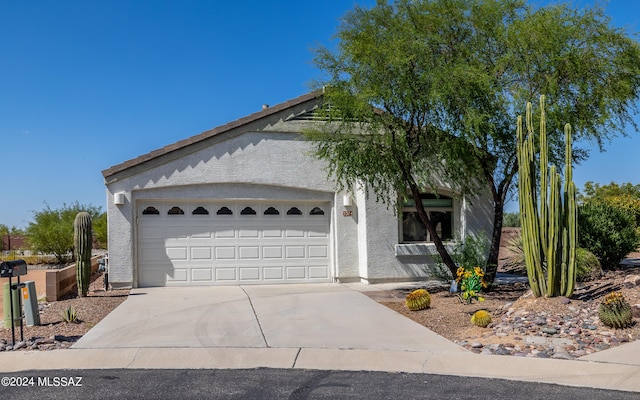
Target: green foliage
(549, 222)
(69, 314)
(447, 78)
(471, 282)
(511, 220)
(51, 232)
(481, 318)
(587, 265)
(625, 197)
(99, 225)
(472, 251)
(418, 299)
(82, 244)
(607, 231)
(615, 311)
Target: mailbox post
(10, 269)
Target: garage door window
(224, 211)
(294, 211)
(248, 211)
(175, 211)
(316, 211)
(271, 211)
(200, 211)
(150, 211)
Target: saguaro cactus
(82, 241)
(549, 222)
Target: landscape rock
(631, 281)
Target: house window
(440, 210)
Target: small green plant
(418, 300)
(471, 281)
(70, 314)
(481, 318)
(615, 312)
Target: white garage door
(232, 243)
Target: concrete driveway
(322, 316)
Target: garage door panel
(272, 232)
(228, 274)
(249, 252)
(202, 275)
(249, 274)
(177, 232)
(201, 253)
(297, 232)
(225, 232)
(319, 272)
(225, 253)
(272, 252)
(294, 252)
(177, 253)
(280, 243)
(296, 272)
(318, 252)
(248, 234)
(178, 275)
(152, 253)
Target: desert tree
(438, 85)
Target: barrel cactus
(615, 312)
(418, 300)
(481, 318)
(82, 243)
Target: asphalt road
(260, 384)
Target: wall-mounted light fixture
(118, 198)
(346, 201)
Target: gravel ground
(53, 331)
(523, 325)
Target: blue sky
(85, 85)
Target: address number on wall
(347, 213)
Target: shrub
(587, 265)
(511, 220)
(52, 229)
(69, 314)
(607, 231)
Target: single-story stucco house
(247, 203)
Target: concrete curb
(592, 374)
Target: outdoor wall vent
(118, 199)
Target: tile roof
(265, 112)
